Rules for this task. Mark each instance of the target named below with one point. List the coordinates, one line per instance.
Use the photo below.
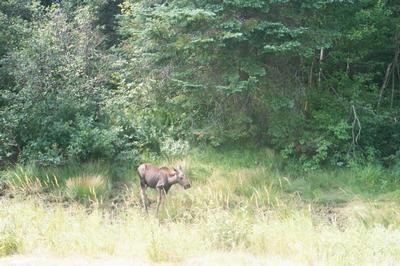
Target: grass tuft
(9, 243)
(87, 188)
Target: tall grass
(23, 175)
(298, 237)
(242, 209)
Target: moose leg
(159, 191)
(144, 197)
(160, 187)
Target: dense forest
(317, 81)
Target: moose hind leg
(144, 197)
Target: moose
(160, 179)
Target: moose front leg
(159, 191)
(160, 187)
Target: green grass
(242, 205)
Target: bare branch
(392, 96)
(321, 57)
(356, 122)
(384, 84)
(310, 72)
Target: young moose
(160, 179)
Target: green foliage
(316, 80)
(351, 97)
(240, 70)
(215, 56)
(56, 112)
(13, 17)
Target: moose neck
(172, 180)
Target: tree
(57, 109)
(217, 57)
(304, 76)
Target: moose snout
(186, 186)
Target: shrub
(67, 113)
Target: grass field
(242, 209)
